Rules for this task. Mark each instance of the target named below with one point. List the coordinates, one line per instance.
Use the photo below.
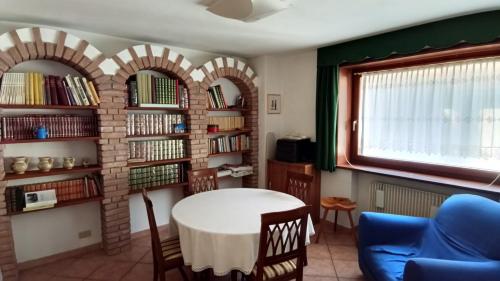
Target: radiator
(396, 199)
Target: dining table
(220, 229)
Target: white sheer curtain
(447, 114)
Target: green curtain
(326, 117)
(472, 29)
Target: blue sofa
(462, 243)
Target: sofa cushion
(387, 262)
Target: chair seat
(387, 262)
(171, 248)
(276, 270)
(338, 203)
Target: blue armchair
(462, 243)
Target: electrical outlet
(84, 234)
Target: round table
(221, 229)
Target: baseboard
(145, 233)
(59, 256)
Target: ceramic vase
(45, 163)
(20, 165)
(68, 162)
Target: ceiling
(186, 23)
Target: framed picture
(273, 104)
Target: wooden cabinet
(276, 180)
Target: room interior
(172, 140)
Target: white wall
(293, 76)
(49, 232)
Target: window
(441, 118)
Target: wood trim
(454, 54)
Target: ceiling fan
(247, 10)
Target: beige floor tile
(319, 267)
(319, 251)
(347, 269)
(33, 275)
(80, 268)
(112, 271)
(340, 252)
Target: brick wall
(109, 76)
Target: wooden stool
(337, 204)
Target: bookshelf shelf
(159, 135)
(229, 132)
(159, 187)
(27, 106)
(137, 108)
(62, 204)
(52, 172)
(158, 162)
(228, 109)
(227, 153)
(50, 140)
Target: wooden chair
(202, 180)
(282, 245)
(167, 253)
(299, 185)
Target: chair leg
(183, 273)
(353, 232)
(322, 224)
(335, 222)
(155, 271)
(162, 276)
(234, 275)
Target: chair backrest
(155, 235)
(282, 238)
(471, 223)
(202, 180)
(299, 185)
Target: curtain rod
(427, 65)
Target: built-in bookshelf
(39, 109)
(227, 132)
(157, 105)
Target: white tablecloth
(221, 229)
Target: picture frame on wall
(273, 104)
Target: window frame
(352, 78)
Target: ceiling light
(247, 10)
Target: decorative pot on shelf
(20, 164)
(68, 162)
(45, 163)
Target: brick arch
(38, 43)
(245, 78)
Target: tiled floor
(333, 259)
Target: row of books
(216, 98)
(154, 150)
(226, 123)
(34, 88)
(152, 176)
(229, 144)
(66, 190)
(57, 126)
(147, 90)
(154, 124)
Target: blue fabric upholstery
(462, 243)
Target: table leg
(322, 224)
(353, 231)
(234, 275)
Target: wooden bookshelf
(50, 140)
(29, 106)
(159, 187)
(227, 153)
(53, 172)
(158, 162)
(228, 109)
(159, 135)
(229, 132)
(138, 108)
(62, 204)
